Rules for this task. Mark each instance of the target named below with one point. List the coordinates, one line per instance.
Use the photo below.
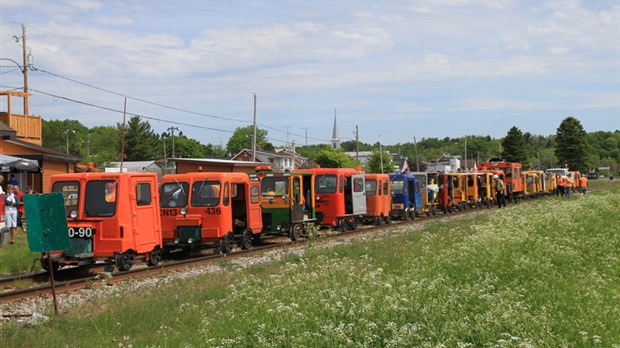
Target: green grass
(17, 258)
(538, 274)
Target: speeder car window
(327, 183)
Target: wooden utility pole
(357, 152)
(254, 136)
(25, 70)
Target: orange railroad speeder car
(378, 198)
(209, 209)
(111, 217)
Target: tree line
(571, 146)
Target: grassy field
(16, 258)
(539, 274)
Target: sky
(394, 69)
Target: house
(279, 161)
(20, 136)
(137, 166)
(188, 165)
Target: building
(137, 166)
(280, 161)
(21, 137)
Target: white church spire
(335, 138)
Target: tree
(140, 140)
(330, 158)
(376, 160)
(571, 148)
(513, 147)
(104, 145)
(242, 139)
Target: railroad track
(66, 280)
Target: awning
(12, 163)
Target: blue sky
(396, 69)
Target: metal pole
(165, 158)
(51, 270)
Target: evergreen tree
(140, 140)
(571, 149)
(513, 147)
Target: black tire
(296, 232)
(226, 243)
(246, 240)
(154, 256)
(123, 261)
(45, 264)
(342, 225)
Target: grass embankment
(538, 274)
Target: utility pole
(465, 151)
(417, 163)
(172, 129)
(165, 158)
(306, 129)
(67, 132)
(357, 152)
(380, 153)
(25, 71)
(254, 136)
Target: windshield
(100, 198)
(398, 186)
(371, 187)
(274, 186)
(327, 183)
(206, 193)
(174, 194)
(71, 192)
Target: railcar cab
(112, 217)
(378, 199)
(512, 174)
(428, 203)
(209, 209)
(486, 192)
(533, 183)
(458, 185)
(473, 198)
(288, 203)
(340, 197)
(406, 199)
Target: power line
(121, 111)
(172, 107)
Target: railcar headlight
(318, 198)
(190, 240)
(183, 211)
(176, 241)
(74, 214)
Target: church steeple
(335, 138)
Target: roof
(45, 152)
(135, 166)
(216, 160)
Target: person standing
(432, 191)
(499, 191)
(583, 184)
(11, 202)
(20, 207)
